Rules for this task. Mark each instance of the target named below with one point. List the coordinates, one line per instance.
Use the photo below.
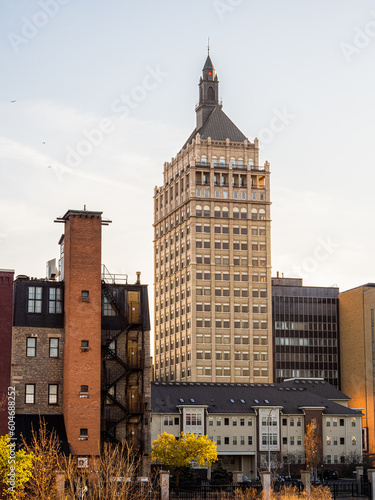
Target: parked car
(330, 474)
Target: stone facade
(212, 259)
(41, 370)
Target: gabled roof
(241, 398)
(219, 127)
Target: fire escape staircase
(124, 369)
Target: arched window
(262, 214)
(251, 163)
(233, 162)
(210, 94)
(243, 213)
(217, 212)
(206, 211)
(240, 162)
(222, 161)
(254, 213)
(214, 160)
(204, 160)
(236, 213)
(198, 211)
(225, 212)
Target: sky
(105, 92)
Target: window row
(242, 441)
(31, 347)
(335, 440)
(293, 440)
(35, 300)
(52, 394)
(306, 342)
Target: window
(84, 345)
(85, 296)
(226, 440)
(52, 394)
(342, 422)
(30, 393)
(226, 421)
(31, 347)
(218, 421)
(342, 440)
(285, 440)
(83, 434)
(250, 440)
(354, 440)
(85, 388)
(53, 347)
(55, 301)
(107, 308)
(34, 303)
(353, 422)
(234, 420)
(234, 440)
(292, 440)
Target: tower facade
(212, 256)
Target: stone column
(359, 474)
(371, 478)
(266, 483)
(164, 485)
(237, 476)
(60, 485)
(305, 477)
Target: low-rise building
(255, 425)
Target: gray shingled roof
(219, 127)
(166, 397)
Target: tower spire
(208, 91)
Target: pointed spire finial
(208, 46)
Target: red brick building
(6, 319)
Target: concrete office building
(306, 331)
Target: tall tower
(82, 350)
(212, 256)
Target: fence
(210, 491)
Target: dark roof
(208, 64)
(317, 386)
(25, 424)
(219, 127)
(226, 398)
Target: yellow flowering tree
(312, 447)
(181, 452)
(15, 468)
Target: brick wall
(82, 264)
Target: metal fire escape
(123, 410)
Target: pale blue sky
(69, 71)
